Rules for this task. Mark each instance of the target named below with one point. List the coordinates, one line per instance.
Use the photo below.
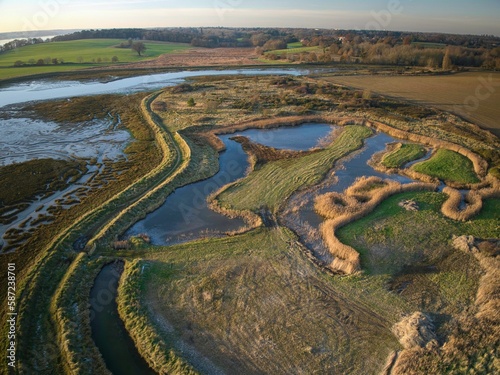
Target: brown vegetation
(415, 330)
(260, 154)
(473, 341)
(488, 293)
(252, 220)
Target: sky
(450, 16)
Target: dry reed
(251, 219)
(474, 200)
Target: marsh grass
(449, 166)
(290, 175)
(358, 200)
(21, 182)
(403, 154)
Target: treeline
(17, 43)
(346, 46)
(383, 52)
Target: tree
(19, 63)
(191, 102)
(114, 59)
(138, 47)
(447, 60)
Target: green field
(429, 45)
(402, 155)
(294, 45)
(448, 166)
(79, 54)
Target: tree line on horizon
(347, 46)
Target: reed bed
(251, 219)
(474, 200)
(357, 201)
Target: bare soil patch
(457, 93)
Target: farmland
(78, 54)
(455, 93)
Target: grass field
(455, 93)
(295, 50)
(448, 166)
(80, 53)
(406, 153)
(255, 304)
(430, 275)
(290, 175)
(294, 45)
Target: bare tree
(138, 47)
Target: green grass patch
(406, 153)
(448, 166)
(429, 45)
(77, 54)
(270, 185)
(294, 45)
(415, 247)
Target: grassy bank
(402, 154)
(161, 357)
(449, 166)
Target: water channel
(108, 332)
